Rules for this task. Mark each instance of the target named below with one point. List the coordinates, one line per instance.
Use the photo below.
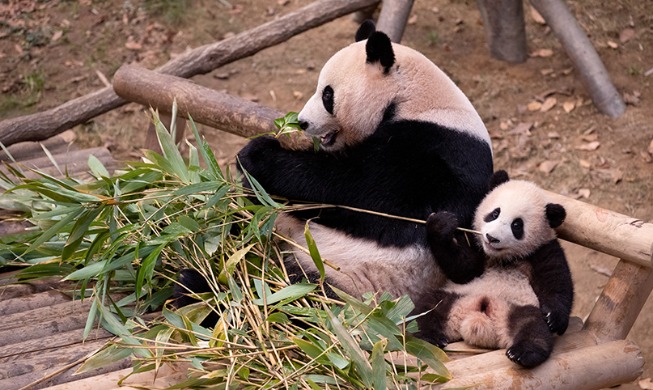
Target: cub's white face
(512, 220)
(350, 99)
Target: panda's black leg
(532, 340)
(436, 305)
(190, 280)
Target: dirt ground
(543, 124)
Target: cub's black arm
(552, 283)
(459, 261)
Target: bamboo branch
(201, 60)
(585, 59)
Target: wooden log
(595, 367)
(620, 302)
(204, 105)
(55, 341)
(606, 231)
(583, 56)
(29, 150)
(393, 18)
(505, 29)
(201, 60)
(46, 327)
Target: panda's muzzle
(326, 140)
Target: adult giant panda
(397, 136)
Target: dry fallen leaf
(547, 166)
(568, 106)
(585, 164)
(522, 128)
(616, 175)
(534, 106)
(542, 53)
(646, 157)
(537, 18)
(297, 95)
(650, 147)
(583, 193)
(646, 384)
(626, 35)
(590, 137)
(553, 135)
(57, 34)
(548, 104)
(412, 19)
(632, 98)
(589, 146)
(613, 44)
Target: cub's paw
(556, 321)
(527, 354)
(436, 338)
(441, 226)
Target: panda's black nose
(491, 239)
(303, 125)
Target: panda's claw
(556, 323)
(527, 355)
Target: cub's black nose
(491, 239)
(303, 125)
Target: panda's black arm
(552, 283)
(459, 261)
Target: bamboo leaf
(207, 153)
(231, 263)
(57, 228)
(79, 230)
(379, 365)
(314, 252)
(97, 168)
(170, 150)
(352, 349)
(289, 293)
(429, 354)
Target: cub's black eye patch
(327, 99)
(493, 215)
(517, 227)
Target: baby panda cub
(514, 288)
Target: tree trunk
(393, 18)
(505, 29)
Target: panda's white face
(513, 220)
(350, 99)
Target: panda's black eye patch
(493, 215)
(327, 99)
(517, 227)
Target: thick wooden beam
(505, 29)
(201, 60)
(620, 302)
(583, 56)
(606, 231)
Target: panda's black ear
(498, 178)
(556, 214)
(366, 29)
(379, 49)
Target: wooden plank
(10, 288)
(45, 328)
(29, 318)
(55, 341)
(31, 302)
(595, 367)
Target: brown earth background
(543, 125)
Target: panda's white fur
(515, 199)
(364, 266)
(421, 90)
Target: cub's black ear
(379, 49)
(498, 178)
(366, 29)
(556, 214)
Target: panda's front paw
(557, 322)
(441, 226)
(258, 151)
(527, 354)
(436, 338)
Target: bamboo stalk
(201, 60)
